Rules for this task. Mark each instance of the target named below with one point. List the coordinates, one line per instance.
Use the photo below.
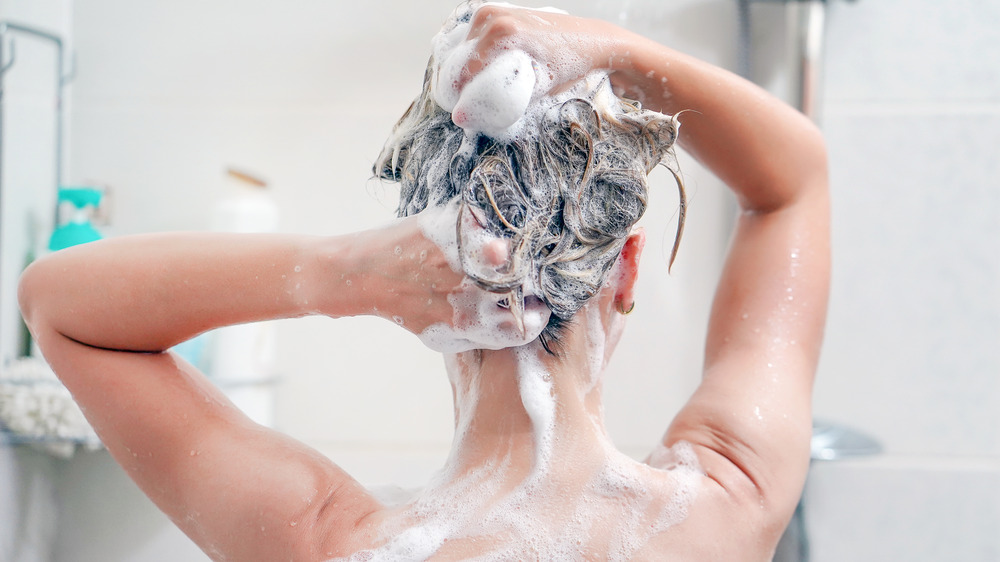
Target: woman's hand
(410, 273)
(565, 48)
(397, 271)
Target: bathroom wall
(27, 170)
(304, 93)
(28, 504)
(912, 119)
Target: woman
(532, 474)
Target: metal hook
(69, 75)
(4, 67)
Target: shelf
(9, 438)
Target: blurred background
(161, 98)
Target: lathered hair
(566, 191)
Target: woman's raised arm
(751, 416)
(753, 407)
(104, 314)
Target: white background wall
(304, 92)
(28, 171)
(913, 124)
(28, 502)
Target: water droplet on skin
(398, 320)
(745, 316)
(193, 453)
(398, 251)
(298, 268)
(292, 523)
(348, 282)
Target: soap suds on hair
(563, 185)
(481, 319)
(494, 101)
(531, 196)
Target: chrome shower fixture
(806, 21)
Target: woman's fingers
(544, 35)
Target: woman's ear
(631, 252)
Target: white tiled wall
(304, 93)
(904, 509)
(27, 168)
(912, 355)
(28, 504)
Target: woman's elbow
(33, 290)
(813, 160)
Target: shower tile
(405, 467)
(362, 381)
(313, 51)
(915, 510)
(104, 516)
(161, 157)
(33, 72)
(913, 50)
(46, 15)
(911, 351)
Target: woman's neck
(531, 466)
(528, 410)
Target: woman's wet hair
(565, 192)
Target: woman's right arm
(105, 314)
(150, 292)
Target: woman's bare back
(608, 507)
